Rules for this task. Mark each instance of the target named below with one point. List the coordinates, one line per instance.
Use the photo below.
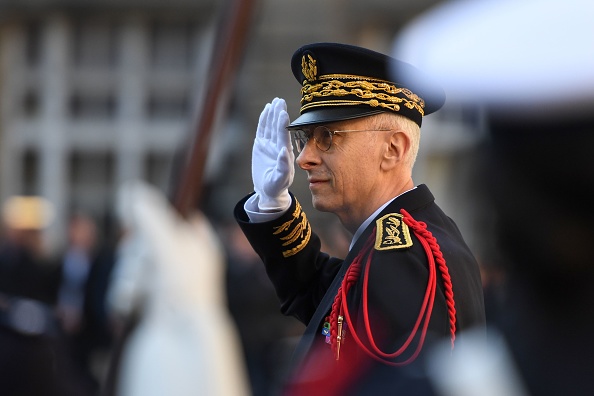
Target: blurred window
(89, 105)
(171, 45)
(89, 174)
(33, 36)
(158, 169)
(30, 177)
(94, 44)
(168, 105)
(30, 104)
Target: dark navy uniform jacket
(307, 280)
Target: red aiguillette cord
(340, 308)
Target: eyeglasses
(322, 136)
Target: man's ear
(397, 146)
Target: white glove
(273, 159)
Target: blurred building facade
(93, 95)
(96, 92)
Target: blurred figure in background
(33, 357)
(85, 268)
(268, 338)
(531, 65)
(26, 268)
(76, 266)
(170, 274)
(99, 330)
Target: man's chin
(320, 204)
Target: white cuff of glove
(280, 203)
(258, 213)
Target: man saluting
(409, 279)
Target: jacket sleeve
(297, 268)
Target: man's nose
(309, 155)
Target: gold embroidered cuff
(295, 233)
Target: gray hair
(388, 120)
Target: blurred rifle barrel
(228, 49)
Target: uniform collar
(407, 200)
(363, 226)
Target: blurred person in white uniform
(530, 66)
(171, 273)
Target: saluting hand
(273, 160)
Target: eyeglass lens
(322, 136)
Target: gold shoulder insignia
(295, 233)
(392, 233)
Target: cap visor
(326, 116)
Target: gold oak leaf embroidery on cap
(308, 67)
(375, 93)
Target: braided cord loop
(420, 228)
(340, 307)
